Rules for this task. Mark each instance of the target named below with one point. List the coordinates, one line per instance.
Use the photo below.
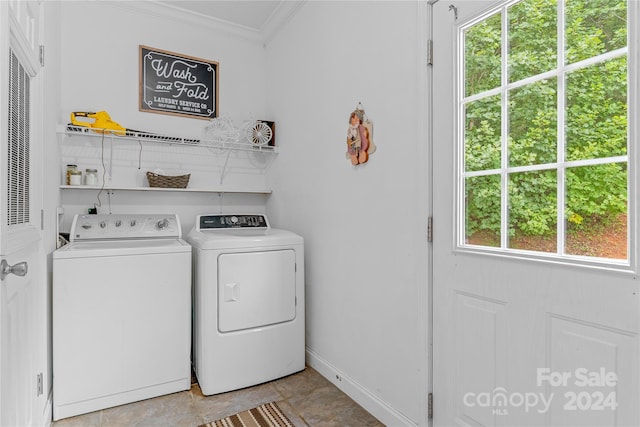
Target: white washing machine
(121, 312)
(248, 302)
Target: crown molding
(279, 18)
(165, 11)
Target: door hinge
(430, 405)
(430, 229)
(429, 52)
(39, 385)
(42, 55)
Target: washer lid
(103, 248)
(242, 238)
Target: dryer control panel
(209, 222)
(123, 226)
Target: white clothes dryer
(121, 312)
(249, 316)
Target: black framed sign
(172, 83)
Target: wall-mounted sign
(171, 83)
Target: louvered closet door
(24, 380)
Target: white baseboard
(373, 404)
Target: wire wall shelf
(251, 140)
(215, 140)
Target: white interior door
(520, 339)
(23, 293)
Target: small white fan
(259, 133)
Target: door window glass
(543, 128)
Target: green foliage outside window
(595, 117)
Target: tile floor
(307, 399)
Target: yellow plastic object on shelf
(102, 122)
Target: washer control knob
(103, 224)
(133, 222)
(234, 219)
(118, 223)
(162, 224)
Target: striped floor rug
(267, 415)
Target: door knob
(19, 269)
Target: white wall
(99, 66)
(91, 64)
(100, 43)
(364, 226)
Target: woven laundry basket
(164, 181)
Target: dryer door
(256, 289)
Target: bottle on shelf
(72, 171)
(91, 177)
